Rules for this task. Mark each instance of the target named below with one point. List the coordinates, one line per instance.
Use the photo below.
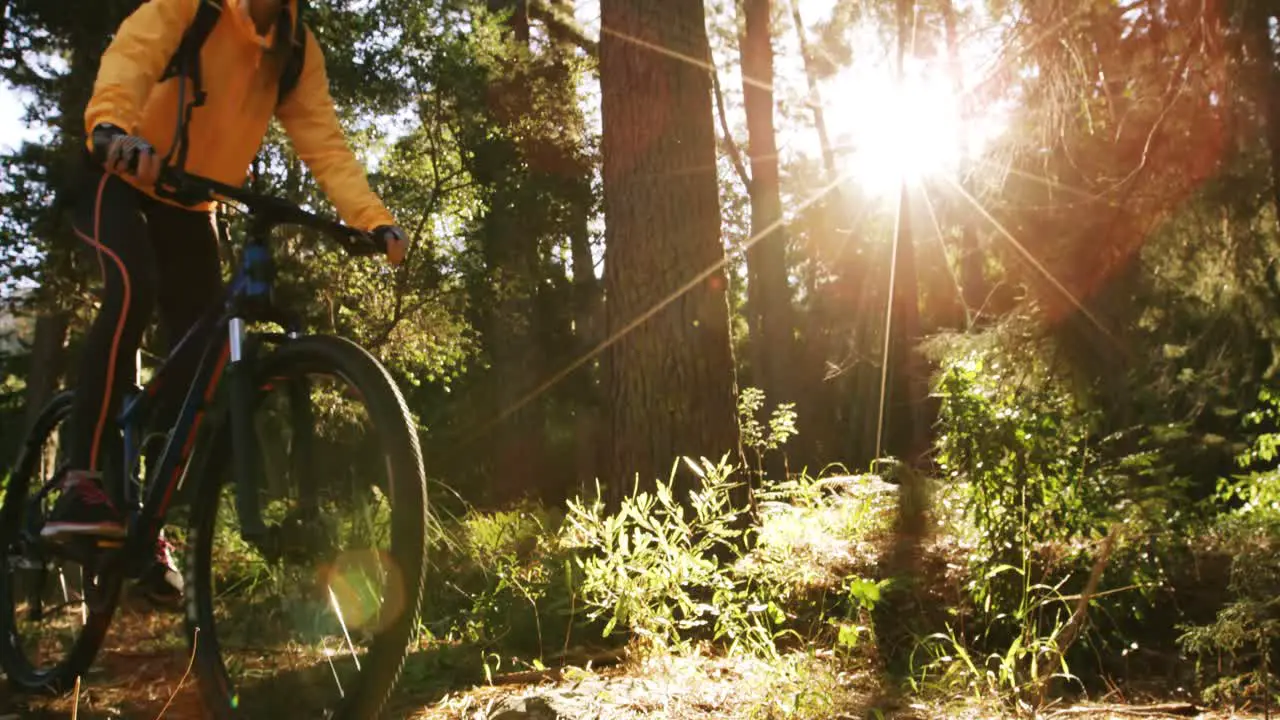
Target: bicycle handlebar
(188, 189)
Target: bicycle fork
(246, 457)
(244, 447)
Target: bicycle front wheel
(315, 618)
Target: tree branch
(1080, 614)
(729, 144)
(564, 25)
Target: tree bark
(771, 319)
(670, 372)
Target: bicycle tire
(17, 667)
(390, 416)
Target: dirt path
(142, 662)
(140, 675)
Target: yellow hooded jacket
(240, 75)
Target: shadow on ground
(138, 683)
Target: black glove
(121, 152)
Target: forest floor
(142, 673)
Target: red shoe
(82, 510)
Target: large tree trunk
(670, 373)
(770, 315)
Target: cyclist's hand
(126, 154)
(134, 156)
(395, 239)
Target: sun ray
(1035, 263)
(942, 246)
(702, 63)
(1047, 182)
(917, 162)
(639, 320)
(888, 318)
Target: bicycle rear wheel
(39, 584)
(276, 623)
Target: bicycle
(218, 424)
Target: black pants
(153, 256)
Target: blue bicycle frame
(228, 350)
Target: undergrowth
(669, 576)
(1235, 652)
(1027, 490)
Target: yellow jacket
(240, 78)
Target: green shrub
(502, 580)
(673, 571)
(1026, 495)
(1235, 651)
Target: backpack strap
(294, 32)
(185, 63)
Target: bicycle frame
(229, 351)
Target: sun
(891, 132)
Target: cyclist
(157, 255)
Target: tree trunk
(825, 437)
(670, 373)
(909, 438)
(903, 389)
(512, 255)
(1266, 91)
(49, 341)
(770, 316)
(587, 308)
(48, 362)
(587, 321)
